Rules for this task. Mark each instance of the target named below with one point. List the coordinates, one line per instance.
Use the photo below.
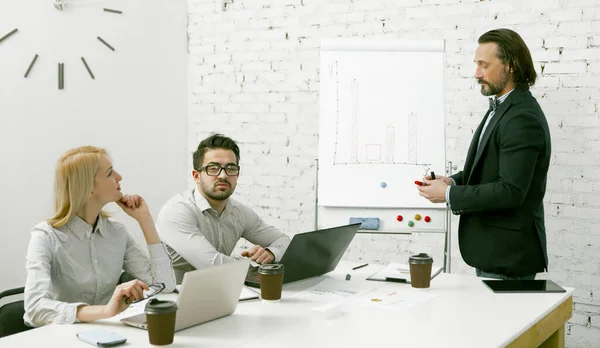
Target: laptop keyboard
(252, 277)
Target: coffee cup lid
(156, 306)
(421, 258)
(271, 268)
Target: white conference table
(464, 313)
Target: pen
(360, 266)
(432, 175)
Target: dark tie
(493, 103)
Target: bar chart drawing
(368, 140)
(381, 120)
(412, 138)
(372, 153)
(389, 143)
(354, 142)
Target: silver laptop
(205, 295)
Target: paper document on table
(397, 272)
(133, 309)
(395, 299)
(248, 294)
(331, 293)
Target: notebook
(311, 254)
(535, 286)
(205, 294)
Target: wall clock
(66, 8)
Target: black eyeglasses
(215, 169)
(155, 289)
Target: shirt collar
(101, 225)
(495, 101)
(82, 229)
(203, 204)
(503, 97)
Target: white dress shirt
(71, 266)
(197, 237)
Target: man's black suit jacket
(499, 193)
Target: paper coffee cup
(160, 316)
(420, 270)
(271, 281)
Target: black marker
(361, 266)
(432, 176)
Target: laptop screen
(314, 253)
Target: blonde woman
(75, 258)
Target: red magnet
(427, 219)
(399, 218)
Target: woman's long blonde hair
(74, 181)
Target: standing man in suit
(499, 193)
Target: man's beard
(494, 87)
(219, 195)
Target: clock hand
(61, 5)
(113, 11)
(8, 35)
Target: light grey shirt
(71, 266)
(197, 237)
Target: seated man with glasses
(202, 226)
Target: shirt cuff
(453, 182)
(70, 315)
(157, 251)
(163, 268)
(448, 196)
(275, 252)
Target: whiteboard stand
(448, 244)
(317, 194)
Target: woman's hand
(123, 296)
(134, 206)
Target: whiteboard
(381, 122)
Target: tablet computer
(523, 286)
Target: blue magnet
(383, 184)
(368, 223)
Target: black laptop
(311, 254)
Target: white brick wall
(254, 76)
